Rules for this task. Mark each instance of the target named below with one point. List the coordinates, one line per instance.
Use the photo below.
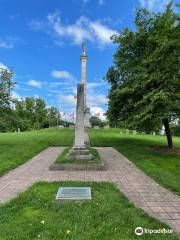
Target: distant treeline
(26, 113)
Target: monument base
(72, 159)
(87, 116)
(79, 153)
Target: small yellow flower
(43, 222)
(39, 236)
(68, 231)
(97, 203)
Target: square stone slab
(74, 193)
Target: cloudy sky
(41, 41)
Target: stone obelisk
(79, 128)
(83, 81)
(79, 149)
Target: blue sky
(41, 41)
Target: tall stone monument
(83, 81)
(79, 149)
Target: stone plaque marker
(73, 193)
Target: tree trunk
(168, 133)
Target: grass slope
(163, 167)
(16, 148)
(35, 215)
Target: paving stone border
(140, 189)
(77, 167)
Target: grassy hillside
(162, 166)
(16, 148)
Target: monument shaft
(79, 128)
(83, 71)
(83, 78)
(83, 81)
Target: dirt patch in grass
(165, 149)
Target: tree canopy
(26, 113)
(96, 121)
(145, 83)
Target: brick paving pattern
(140, 189)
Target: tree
(145, 86)
(31, 113)
(176, 128)
(6, 85)
(95, 121)
(52, 117)
(25, 113)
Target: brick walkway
(139, 188)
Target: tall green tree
(145, 83)
(31, 113)
(53, 117)
(6, 85)
(96, 121)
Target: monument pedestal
(79, 153)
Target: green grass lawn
(16, 148)
(163, 167)
(62, 158)
(36, 215)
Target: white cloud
(154, 5)
(15, 95)
(54, 84)
(75, 31)
(82, 30)
(67, 99)
(98, 110)
(92, 100)
(102, 32)
(100, 2)
(34, 83)
(2, 66)
(6, 44)
(36, 96)
(96, 100)
(62, 74)
(91, 85)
